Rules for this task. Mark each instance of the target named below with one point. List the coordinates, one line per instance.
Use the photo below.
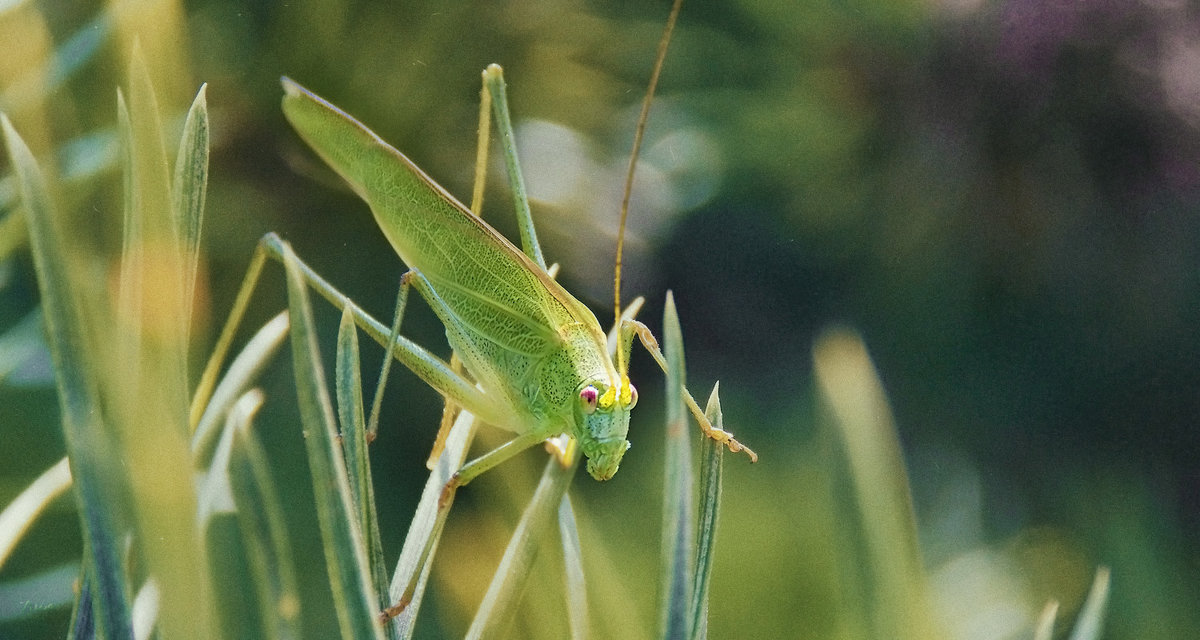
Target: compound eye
(589, 396)
(632, 396)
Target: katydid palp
(537, 357)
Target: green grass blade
(144, 377)
(855, 400)
(69, 58)
(1090, 623)
(263, 529)
(83, 618)
(1045, 624)
(20, 342)
(354, 447)
(78, 161)
(678, 534)
(50, 589)
(500, 602)
(576, 584)
(345, 554)
(424, 524)
(244, 369)
(97, 489)
(188, 191)
(712, 455)
(12, 226)
(21, 512)
(217, 519)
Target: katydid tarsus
(537, 362)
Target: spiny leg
(431, 369)
(630, 327)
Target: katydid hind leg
(493, 79)
(431, 369)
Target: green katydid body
(538, 354)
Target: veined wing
(488, 282)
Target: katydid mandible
(537, 357)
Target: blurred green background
(1002, 197)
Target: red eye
(588, 396)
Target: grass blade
(21, 512)
(1090, 623)
(345, 555)
(189, 186)
(263, 529)
(854, 396)
(500, 602)
(20, 342)
(244, 369)
(354, 447)
(83, 617)
(69, 58)
(712, 455)
(424, 524)
(97, 489)
(678, 534)
(12, 225)
(144, 378)
(576, 584)
(1045, 624)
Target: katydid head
(603, 417)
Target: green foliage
(1004, 212)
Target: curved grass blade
(21, 512)
(1045, 624)
(679, 533)
(1090, 623)
(97, 490)
(244, 369)
(500, 602)
(712, 455)
(345, 555)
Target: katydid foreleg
(630, 327)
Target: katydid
(538, 363)
(537, 357)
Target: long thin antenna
(633, 156)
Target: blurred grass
(1006, 212)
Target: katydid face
(603, 424)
